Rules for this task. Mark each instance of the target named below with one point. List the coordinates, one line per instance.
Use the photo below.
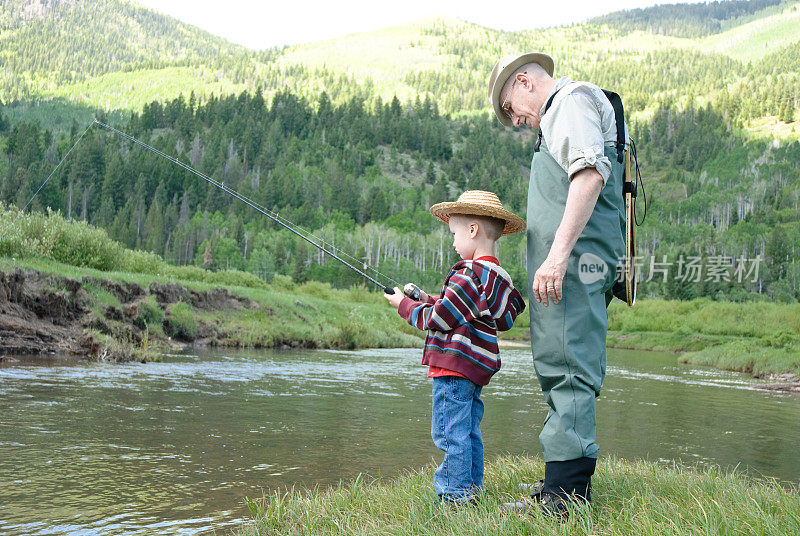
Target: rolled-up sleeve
(573, 132)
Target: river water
(174, 447)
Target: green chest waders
(568, 339)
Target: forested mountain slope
(686, 20)
(46, 44)
(115, 54)
(355, 146)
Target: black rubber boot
(570, 479)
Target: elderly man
(575, 239)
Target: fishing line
(272, 215)
(253, 204)
(290, 226)
(55, 168)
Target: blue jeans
(455, 429)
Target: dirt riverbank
(44, 314)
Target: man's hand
(394, 299)
(584, 189)
(549, 279)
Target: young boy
(477, 299)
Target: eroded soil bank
(100, 318)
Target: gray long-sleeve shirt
(578, 125)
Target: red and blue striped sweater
(477, 299)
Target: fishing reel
(412, 291)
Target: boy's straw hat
(479, 203)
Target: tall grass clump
(180, 322)
(149, 314)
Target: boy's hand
(424, 298)
(394, 299)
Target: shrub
(142, 262)
(79, 244)
(350, 330)
(282, 283)
(319, 290)
(228, 278)
(236, 278)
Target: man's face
(517, 101)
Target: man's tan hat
(503, 69)
(479, 203)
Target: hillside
(119, 55)
(50, 44)
(687, 20)
(355, 146)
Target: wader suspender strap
(546, 107)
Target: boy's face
(464, 232)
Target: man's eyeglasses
(506, 106)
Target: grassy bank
(759, 338)
(630, 499)
(755, 337)
(124, 304)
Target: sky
(266, 23)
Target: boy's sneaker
(450, 500)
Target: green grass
(132, 90)
(771, 127)
(754, 337)
(758, 338)
(629, 498)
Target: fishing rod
(277, 219)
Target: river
(174, 447)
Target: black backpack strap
(546, 107)
(619, 116)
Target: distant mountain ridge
(118, 55)
(684, 20)
(48, 44)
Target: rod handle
(388, 290)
